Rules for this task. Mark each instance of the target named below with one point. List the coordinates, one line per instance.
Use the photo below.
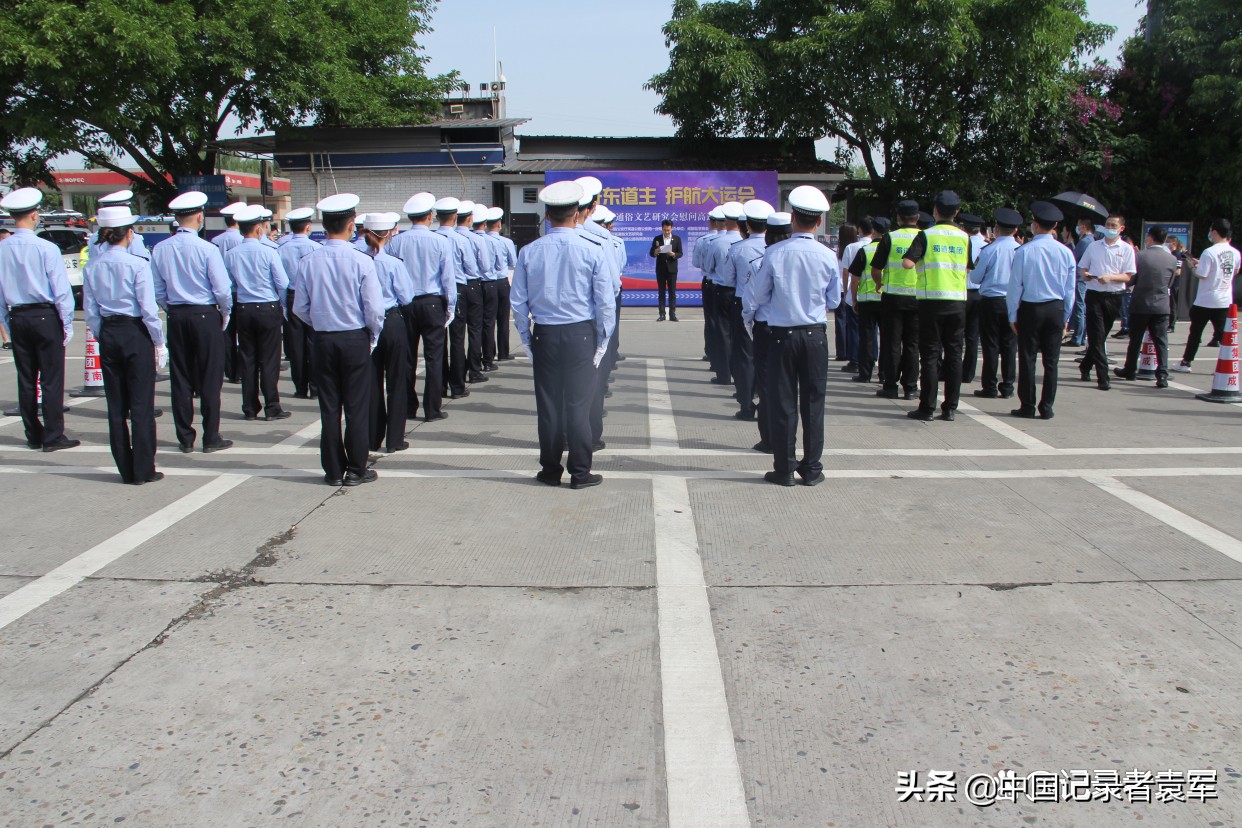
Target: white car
(70, 240)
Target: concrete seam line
(704, 780)
(37, 593)
(1004, 429)
(1192, 527)
(661, 423)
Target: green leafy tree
(928, 92)
(159, 80)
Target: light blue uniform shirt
(561, 278)
(994, 265)
(227, 240)
(700, 247)
(257, 274)
(736, 259)
(294, 249)
(623, 259)
(116, 283)
(340, 291)
(395, 283)
(510, 252)
(593, 234)
(1043, 269)
(714, 256)
(492, 256)
(31, 272)
(482, 252)
(137, 247)
(748, 261)
(798, 283)
(465, 257)
(187, 270)
(977, 245)
(428, 259)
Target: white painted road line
(661, 424)
(1002, 428)
(37, 593)
(700, 757)
(1182, 522)
(301, 438)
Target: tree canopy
(161, 79)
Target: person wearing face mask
(1106, 267)
(1215, 272)
(1150, 307)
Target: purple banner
(644, 198)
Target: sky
(537, 42)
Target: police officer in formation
(596, 236)
(993, 268)
(899, 315)
(293, 247)
(492, 259)
(867, 297)
(390, 391)
(734, 276)
(224, 242)
(466, 270)
(121, 198)
(118, 301)
(503, 306)
(723, 293)
(472, 304)
(36, 306)
(715, 227)
(754, 320)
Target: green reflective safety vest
(942, 273)
(897, 280)
(867, 289)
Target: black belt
(269, 304)
(121, 317)
(473, 281)
(394, 309)
(820, 327)
(1045, 302)
(32, 306)
(191, 308)
(425, 297)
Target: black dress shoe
(1046, 413)
(351, 479)
(1084, 377)
(456, 395)
(1162, 383)
(1005, 395)
(490, 368)
(279, 415)
(1025, 413)
(186, 448)
(921, 415)
(910, 393)
(34, 444)
(477, 378)
(155, 478)
(986, 394)
(661, 318)
(1104, 386)
(548, 479)
(860, 378)
(439, 415)
(586, 482)
(948, 415)
(719, 381)
(301, 395)
(333, 481)
(62, 443)
(672, 317)
(608, 393)
(779, 479)
(598, 445)
(849, 366)
(744, 415)
(762, 446)
(220, 446)
(398, 447)
(813, 480)
(888, 394)
(1121, 374)
(250, 417)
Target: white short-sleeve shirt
(1102, 258)
(1217, 268)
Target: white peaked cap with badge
(590, 185)
(465, 208)
(448, 204)
(808, 199)
(716, 214)
(119, 197)
(732, 210)
(115, 217)
(190, 202)
(419, 203)
(267, 214)
(561, 194)
(379, 222)
(600, 214)
(249, 214)
(23, 200)
(757, 209)
(339, 203)
(232, 208)
(480, 214)
(496, 214)
(300, 214)
(780, 220)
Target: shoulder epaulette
(592, 239)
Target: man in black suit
(666, 250)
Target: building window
(530, 195)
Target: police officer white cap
(779, 220)
(232, 208)
(379, 222)
(117, 198)
(448, 204)
(561, 194)
(757, 210)
(419, 204)
(809, 200)
(358, 220)
(591, 185)
(23, 200)
(716, 214)
(600, 214)
(115, 217)
(190, 202)
(480, 213)
(496, 214)
(300, 214)
(248, 214)
(465, 208)
(732, 210)
(267, 214)
(337, 204)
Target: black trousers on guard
(470, 306)
(1040, 326)
(868, 323)
(127, 357)
(666, 286)
(232, 363)
(298, 348)
(424, 322)
(564, 384)
(455, 352)
(798, 380)
(258, 352)
(343, 374)
(196, 365)
(899, 342)
(38, 339)
(1000, 345)
(942, 327)
(763, 411)
(709, 316)
(390, 388)
(1103, 309)
(970, 351)
(742, 360)
(1158, 326)
(722, 310)
(504, 313)
(490, 291)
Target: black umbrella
(1080, 205)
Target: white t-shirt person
(1217, 268)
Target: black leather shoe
(1162, 383)
(457, 395)
(813, 480)
(333, 481)
(1025, 413)
(155, 478)
(672, 317)
(860, 378)
(490, 368)
(779, 479)
(586, 482)
(62, 443)
(620, 357)
(744, 415)
(186, 448)
(251, 417)
(849, 366)
(369, 476)
(1084, 377)
(1121, 374)
(34, 444)
(921, 415)
(1005, 395)
(477, 378)
(1046, 413)
(948, 415)
(598, 445)
(398, 447)
(548, 479)
(985, 394)
(280, 415)
(220, 446)
(887, 394)
(301, 395)
(719, 381)
(1104, 386)
(762, 446)
(910, 394)
(661, 318)
(441, 415)
(608, 393)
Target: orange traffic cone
(1148, 363)
(1225, 382)
(92, 376)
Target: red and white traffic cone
(1225, 381)
(1148, 363)
(16, 411)
(92, 375)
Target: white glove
(68, 338)
(530, 353)
(750, 329)
(374, 345)
(161, 357)
(599, 354)
(224, 323)
(449, 317)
